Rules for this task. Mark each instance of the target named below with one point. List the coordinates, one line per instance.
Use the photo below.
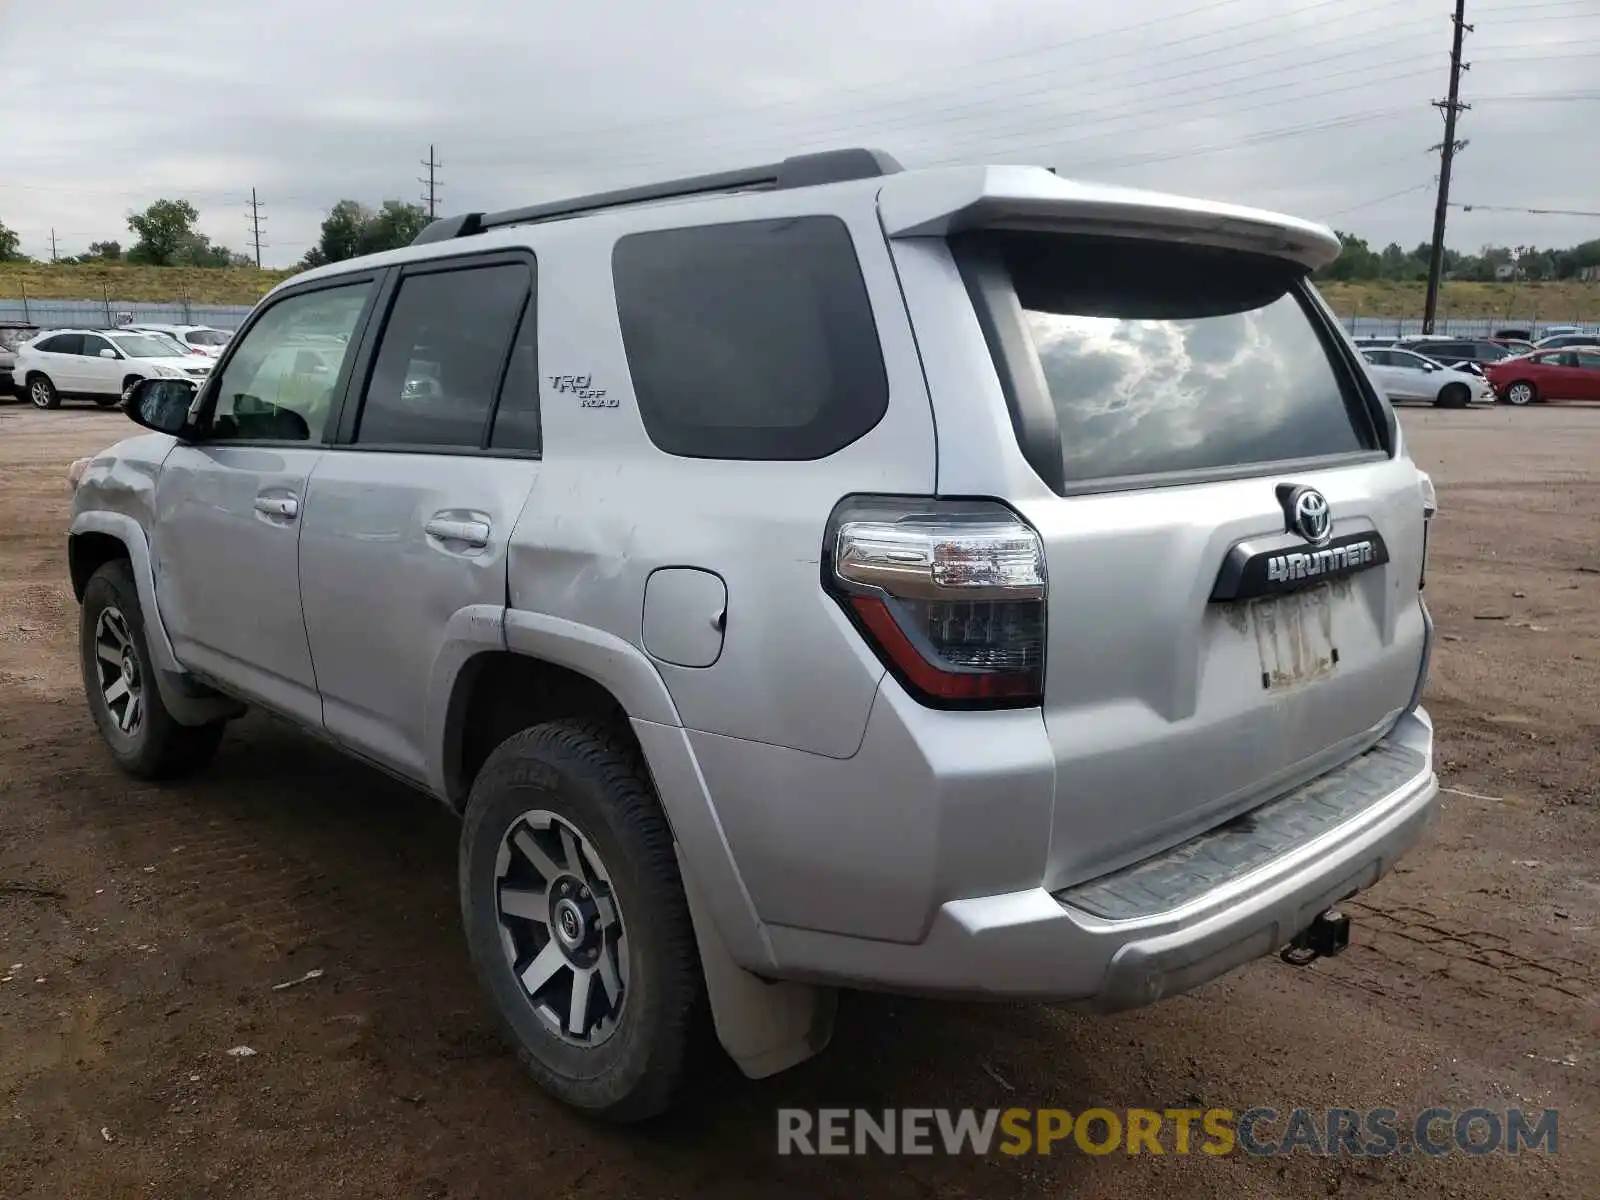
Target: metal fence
(109, 311)
(1360, 326)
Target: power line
(1416, 187)
(432, 198)
(1538, 212)
(255, 222)
(1452, 107)
(1148, 70)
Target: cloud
(1320, 109)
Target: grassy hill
(1570, 301)
(44, 281)
(1546, 301)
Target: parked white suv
(963, 581)
(97, 364)
(200, 339)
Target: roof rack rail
(797, 171)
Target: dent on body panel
(122, 478)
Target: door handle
(448, 529)
(286, 507)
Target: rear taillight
(950, 594)
(1430, 506)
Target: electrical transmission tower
(1451, 107)
(431, 199)
(255, 224)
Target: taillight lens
(1430, 506)
(950, 595)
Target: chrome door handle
(286, 507)
(446, 529)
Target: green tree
(351, 229)
(108, 251)
(166, 232)
(342, 234)
(395, 225)
(9, 243)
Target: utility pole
(1451, 107)
(432, 198)
(52, 244)
(255, 224)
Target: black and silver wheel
(561, 927)
(120, 684)
(1521, 393)
(576, 919)
(42, 393)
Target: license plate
(1294, 636)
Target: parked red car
(1570, 374)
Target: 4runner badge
(582, 386)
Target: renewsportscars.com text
(1259, 1132)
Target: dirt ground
(142, 929)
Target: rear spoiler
(943, 202)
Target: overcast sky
(1319, 107)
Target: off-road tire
(589, 774)
(159, 748)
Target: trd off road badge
(582, 386)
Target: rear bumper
(1170, 923)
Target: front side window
(279, 383)
(753, 340)
(441, 357)
(1162, 358)
(92, 345)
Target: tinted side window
(516, 418)
(63, 343)
(93, 345)
(441, 356)
(1589, 360)
(753, 340)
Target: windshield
(147, 345)
(1161, 357)
(206, 337)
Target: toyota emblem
(1309, 515)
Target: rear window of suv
(1161, 358)
(750, 340)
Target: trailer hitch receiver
(1325, 937)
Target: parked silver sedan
(1407, 375)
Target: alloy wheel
(118, 671)
(561, 927)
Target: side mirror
(1428, 366)
(162, 405)
(108, 353)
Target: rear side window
(753, 340)
(1162, 358)
(441, 357)
(62, 343)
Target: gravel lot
(151, 923)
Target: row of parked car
(46, 366)
(1564, 364)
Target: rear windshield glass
(1163, 358)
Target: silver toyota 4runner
(958, 582)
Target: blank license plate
(1294, 636)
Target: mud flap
(765, 1027)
